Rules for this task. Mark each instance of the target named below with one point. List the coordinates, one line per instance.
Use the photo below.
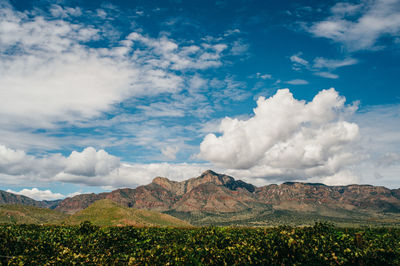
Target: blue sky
(99, 95)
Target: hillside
(13, 213)
(11, 198)
(108, 213)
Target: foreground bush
(88, 244)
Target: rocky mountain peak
(162, 181)
(175, 187)
(210, 176)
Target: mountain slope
(109, 213)
(16, 213)
(11, 198)
(215, 198)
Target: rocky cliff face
(218, 193)
(79, 202)
(313, 195)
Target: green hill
(108, 213)
(16, 213)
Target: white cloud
(170, 152)
(286, 138)
(360, 27)
(89, 167)
(326, 75)
(261, 76)
(90, 162)
(341, 178)
(380, 140)
(49, 74)
(332, 64)
(297, 82)
(321, 66)
(17, 166)
(17, 162)
(38, 194)
(298, 60)
(132, 175)
(239, 47)
(161, 109)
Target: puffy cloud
(37, 194)
(16, 166)
(17, 162)
(341, 178)
(359, 27)
(132, 175)
(286, 138)
(90, 162)
(88, 167)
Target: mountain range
(219, 199)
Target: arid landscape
(217, 199)
(201, 132)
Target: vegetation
(107, 213)
(272, 217)
(321, 244)
(12, 213)
(101, 213)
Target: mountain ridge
(213, 198)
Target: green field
(321, 244)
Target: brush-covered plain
(321, 244)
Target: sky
(99, 95)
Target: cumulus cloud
(132, 175)
(38, 194)
(341, 178)
(89, 167)
(90, 162)
(17, 163)
(286, 138)
(360, 26)
(16, 166)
